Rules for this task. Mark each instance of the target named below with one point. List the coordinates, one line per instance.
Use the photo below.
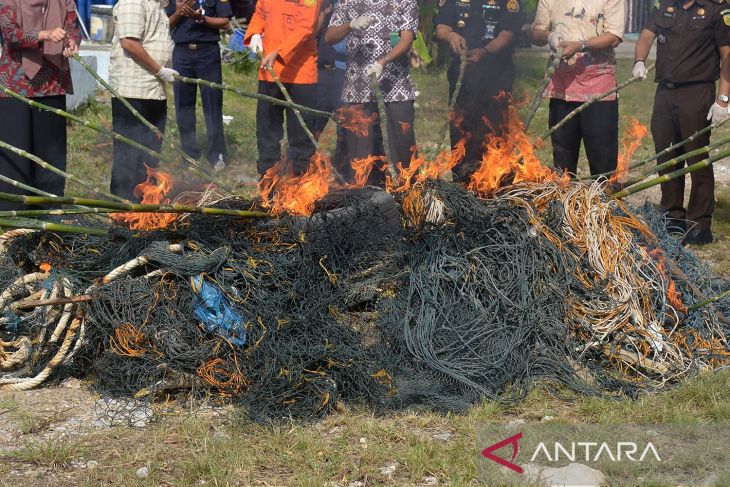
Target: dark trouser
(401, 135)
(38, 132)
(480, 109)
(329, 99)
(129, 163)
(597, 126)
(270, 128)
(203, 63)
(679, 113)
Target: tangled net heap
(433, 297)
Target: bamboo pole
(711, 300)
(553, 63)
(590, 102)
(100, 129)
(380, 99)
(24, 187)
(129, 207)
(200, 171)
(636, 188)
(51, 227)
(40, 162)
(452, 102)
(53, 212)
(256, 96)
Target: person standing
(585, 34)
(692, 41)
(196, 26)
(141, 48)
(379, 36)
(485, 32)
(284, 33)
(331, 66)
(37, 37)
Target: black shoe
(675, 226)
(698, 236)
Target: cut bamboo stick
(51, 226)
(452, 102)
(383, 117)
(553, 63)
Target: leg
(49, 143)
(467, 121)
(269, 128)
(401, 133)
(301, 148)
(340, 157)
(599, 125)
(15, 129)
(324, 89)
(665, 132)
(184, 62)
(692, 118)
(210, 69)
(566, 140)
(360, 147)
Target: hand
(571, 48)
(182, 5)
(639, 70)
(269, 60)
(361, 23)
(167, 75)
(718, 113)
(71, 48)
(554, 40)
(375, 68)
(457, 43)
(189, 11)
(55, 35)
(473, 56)
(256, 44)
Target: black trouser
(270, 127)
(38, 132)
(203, 63)
(329, 99)
(679, 113)
(480, 109)
(129, 163)
(596, 126)
(401, 135)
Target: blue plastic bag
(214, 310)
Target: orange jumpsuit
(288, 26)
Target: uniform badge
(442, 3)
(309, 3)
(513, 6)
(657, 4)
(726, 16)
(670, 10)
(701, 12)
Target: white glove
(167, 75)
(554, 39)
(375, 68)
(639, 70)
(256, 44)
(717, 113)
(361, 23)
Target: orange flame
(353, 118)
(422, 169)
(151, 192)
(405, 127)
(630, 142)
(363, 168)
(296, 195)
(510, 156)
(673, 296)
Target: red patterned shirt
(50, 80)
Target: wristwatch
(583, 46)
(723, 98)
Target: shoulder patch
(309, 3)
(513, 6)
(719, 2)
(657, 4)
(442, 3)
(726, 16)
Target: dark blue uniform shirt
(190, 31)
(480, 21)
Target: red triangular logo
(512, 440)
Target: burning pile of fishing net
(428, 297)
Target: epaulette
(719, 2)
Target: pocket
(665, 23)
(696, 24)
(292, 15)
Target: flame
(673, 296)
(353, 118)
(630, 142)
(510, 156)
(421, 169)
(363, 168)
(283, 192)
(405, 127)
(151, 192)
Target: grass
(204, 451)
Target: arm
(337, 33)
(501, 42)
(183, 9)
(542, 25)
(597, 43)
(643, 45)
(257, 23)
(136, 51)
(326, 10)
(403, 46)
(220, 23)
(13, 36)
(71, 26)
(457, 42)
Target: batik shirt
(586, 74)
(51, 80)
(392, 17)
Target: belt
(195, 46)
(671, 86)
